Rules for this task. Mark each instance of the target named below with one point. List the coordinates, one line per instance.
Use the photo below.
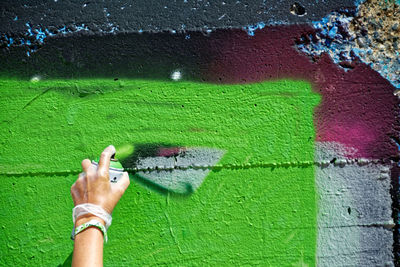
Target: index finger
(104, 162)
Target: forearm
(88, 246)
(94, 197)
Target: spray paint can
(115, 171)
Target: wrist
(86, 210)
(87, 217)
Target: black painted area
(395, 193)
(123, 55)
(156, 15)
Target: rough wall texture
(270, 138)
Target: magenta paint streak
(358, 108)
(169, 151)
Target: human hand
(93, 186)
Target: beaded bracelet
(91, 223)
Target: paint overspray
(167, 168)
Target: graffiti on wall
(264, 145)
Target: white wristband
(86, 208)
(94, 223)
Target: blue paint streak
(332, 32)
(333, 38)
(250, 29)
(36, 36)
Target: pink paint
(358, 108)
(169, 151)
(350, 134)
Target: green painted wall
(247, 212)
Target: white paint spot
(35, 79)
(176, 75)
